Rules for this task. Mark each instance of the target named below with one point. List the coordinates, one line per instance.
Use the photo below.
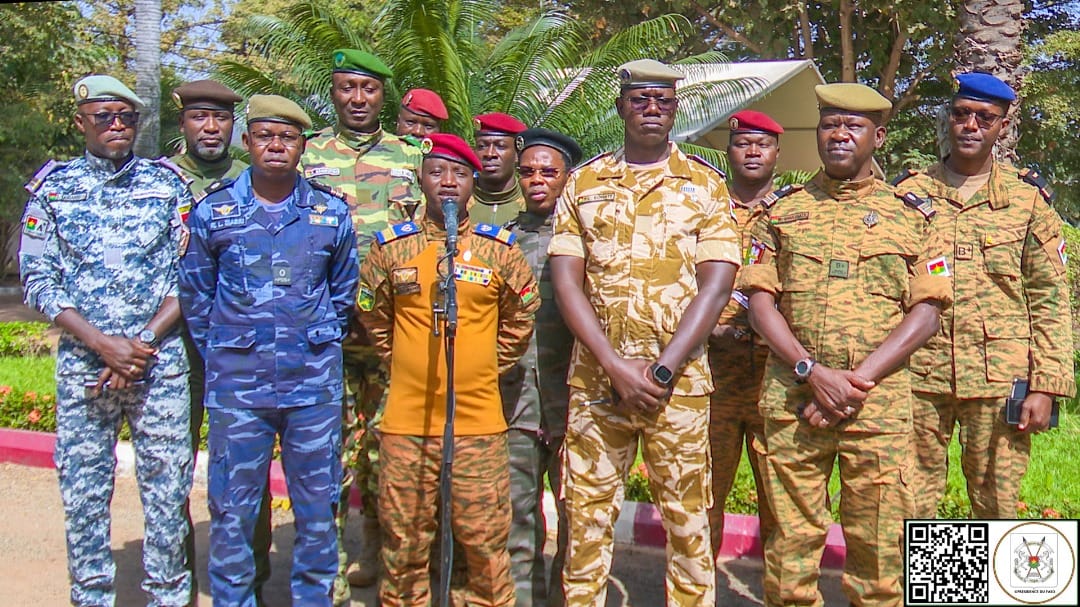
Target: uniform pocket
(1008, 340)
(231, 337)
(1001, 249)
(324, 332)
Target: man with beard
(498, 197)
(376, 173)
(1011, 317)
(421, 113)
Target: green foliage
(27, 410)
(637, 485)
(24, 339)
(29, 373)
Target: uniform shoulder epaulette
(495, 232)
(165, 162)
(214, 186)
(700, 160)
(771, 198)
(322, 187)
(922, 205)
(593, 159)
(38, 179)
(905, 174)
(1033, 177)
(397, 231)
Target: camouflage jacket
(641, 242)
(105, 243)
(497, 297)
(205, 177)
(497, 208)
(846, 261)
(377, 175)
(1011, 313)
(534, 390)
(267, 299)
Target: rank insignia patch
(474, 274)
(323, 220)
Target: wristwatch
(803, 369)
(148, 337)
(661, 374)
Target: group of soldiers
(600, 307)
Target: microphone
(450, 220)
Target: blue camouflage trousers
(157, 412)
(241, 445)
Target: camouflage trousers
(86, 433)
(600, 445)
(734, 418)
(531, 459)
(875, 498)
(241, 447)
(994, 455)
(480, 517)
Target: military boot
(365, 570)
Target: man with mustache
(376, 173)
(845, 281)
(101, 236)
(1011, 318)
(498, 197)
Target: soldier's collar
(203, 168)
(501, 197)
(105, 165)
(435, 231)
(846, 189)
(529, 220)
(361, 142)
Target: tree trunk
(847, 42)
(148, 75)
(989, 41)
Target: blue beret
(981, 86)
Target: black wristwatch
(148, 337)
(661, 374)
(803, 368)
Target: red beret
(749, 121)
(426, 102)
(497, 123)
(450, 147)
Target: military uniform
(105, 242)
(845, 260)
(535, 396)
(641, 234)
(497, 208)
(497, 297)
(267, 292)
(1010, 320)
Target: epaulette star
(397, 231)
(494, 232)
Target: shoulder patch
(905, 174)
(397, 231)
(165, 162)
(494, 232)
(1033, 177)
(777, 194)
(38, 179)
(701, 160)
(922, 205)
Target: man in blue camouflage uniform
(101, 237)
(534, 391)
(267, 286)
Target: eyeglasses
(106, 119)
(287, 139)
(546, 173)
(640, 103)
(985, 120)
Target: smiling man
(1011, 318)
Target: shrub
(27, 410)
(24, 339)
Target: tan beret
(645, 73)
(275, 108)
(851, 97)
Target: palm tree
(148, 75)
(547, 72)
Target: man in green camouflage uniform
(643, 258)
(845, 281)
(376, 173)
(1011, 314)
(498, 198)
(534, 391)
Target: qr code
(947, 563)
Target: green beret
(851, 97)
(105, 88)
(206, 95)
(360, 62)
(275, 108)
(646, 73)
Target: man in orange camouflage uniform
(497, 297)
(736, 356)
(845, 281)
(1011, 317)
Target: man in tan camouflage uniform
(497, 296)
(643, 258)
(376, 173)
(534, 391)
(1011, 317)
(498, 198)
(736, 355)
(845, 281)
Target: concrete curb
(638, 523)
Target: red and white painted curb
(638, 523)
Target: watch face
(662, 374)
(803, 367)
(147, 337)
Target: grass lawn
(34, 374)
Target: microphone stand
(448, 311)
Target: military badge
(476, 123)
(474, 274)
(871, 219)
(733, 123)
(177, 100)
(754, 252)
(330, 221)
(405, 280)
(365, 298)
(83, 92)
(838, 268)
(624, 76)
(320, 208)
(35, 227)
(426, 146)
(938, 267)
(224, 210)
(529, 293)
(407, 99)
(519, 143)
(339, 59)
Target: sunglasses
(546, 173)
(106, 119)
(640, 103)
(985, 120)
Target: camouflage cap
(104, 88)
(205, 94)
(851, 97)
(647, 73)
(564, 144)
(274, 108)
(360, 62)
